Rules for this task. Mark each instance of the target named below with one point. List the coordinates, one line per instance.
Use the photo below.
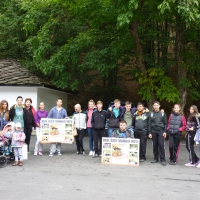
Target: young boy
(99, 117)
(18, 139)
(157, 131)
(141, 126)
(114, 117)
(122, 131)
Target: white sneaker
(91, 153)
(35, 153)
(198, 165)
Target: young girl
(176, 124)
(40, 113)
(18, 138)
(91, 108)
(191, 128)
(4, 114)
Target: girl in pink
(176, 124)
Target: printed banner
(120, 151)
(56, 130)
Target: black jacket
(157, 122)
(99, 119)
(114, 121)
(12, 112)
(141, 122)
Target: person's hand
(162, 110)
(147, 110)
(191, 129)
(186, 134)
(150, 135)
(66, 117)
(110, 109)
(164, 135)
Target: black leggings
(190, 146)
(28, 131)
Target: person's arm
(169, 122)
(50, 115)
(65, 114)
(10, 114)
(149, 126)
(23, 137)
(183, 127)
(36, 118)
(130, 134)
(92, 120)
(165, 126)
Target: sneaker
(170, 162)
(91, 153)
(40, 153)
(78, 152)
(50, 154)
(163, 163)
(59, 154)
(142, 159)
(29, 152)
(198, 165)
(95, 155)
(190, 165)
(35, 153)
(84, 154)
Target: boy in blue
(122, 132)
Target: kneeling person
(122, 132)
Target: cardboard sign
(120, 151)
(56, 130)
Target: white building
(16, 81)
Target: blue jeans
(90, 139)
(110, 131)
(131, 129)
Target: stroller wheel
(3, 161)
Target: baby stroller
(6, 152)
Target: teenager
(141, 128)
(122, 131)
(176, 124)
(80, 120)
(191, 129)
(89, 111)
(157, 131)
(4, 114)
(99, 117)
(114, 117)
(57, 112)
(16, 113)
(40, 113)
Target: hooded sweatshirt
(57, 114)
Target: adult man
(57, 112)
(157, 131)
(98, 121)
(16, 113)
(80, 120)
(122, 131)
(141, 126)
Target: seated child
(18, 139)
(122, 132)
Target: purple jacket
(40, 114)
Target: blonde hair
(127, 103)
(117, 101)
(91, 101)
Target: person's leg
(137, 136)
(28, 135)
(101, 134)
(177, 139)
(77, 142)
(110, 131)
(143, 142)
(81, 135)
(178, 150)
(90, 139)
(52, 148)
(155, 145)
(58, 148)
(20, 156)
(37, 141)
(95, 136)
(16, 156)
(161, 144)
(171, 147)
(194, 157)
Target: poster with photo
(120, 151)
(56, 130)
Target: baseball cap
(18, 125)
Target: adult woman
(176, 124)
(29, 121)
(40, 113)
(91, 108)
(191, 129)
(4, 114)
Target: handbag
(74, 131)
(197, 135)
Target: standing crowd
(17, 124)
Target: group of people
(120, 122)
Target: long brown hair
(181, 111)
(2, 110)
(192, 115)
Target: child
(176, 124)
(122, 131)
(18, 138)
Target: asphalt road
(73, 176)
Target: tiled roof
(12, 73)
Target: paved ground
(73, 176)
